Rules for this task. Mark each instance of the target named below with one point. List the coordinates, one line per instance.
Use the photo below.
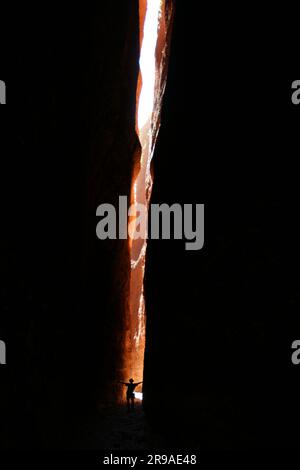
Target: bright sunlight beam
(147, 62)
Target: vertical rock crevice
(155, 34)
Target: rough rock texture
(142, 180)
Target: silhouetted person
(130, 393)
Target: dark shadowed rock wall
(220, 322)
(70, 135)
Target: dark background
(220, 322)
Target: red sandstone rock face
(113, 159)
(75, 146)
(142, 182)
(162, 60)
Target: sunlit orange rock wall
(136, 334)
